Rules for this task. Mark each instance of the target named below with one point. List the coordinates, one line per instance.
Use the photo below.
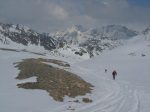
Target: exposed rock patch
(86, 100)
(57, 82)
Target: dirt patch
(86, 100)
(57, 82)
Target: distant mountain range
(23, 35)
(75, 40)
(94, 40)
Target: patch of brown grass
(57, 82)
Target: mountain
(72, 35)
(118, 32)
(75, 41)
(92, 41)
(24, 36)
(146, 33)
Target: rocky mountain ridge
(75, 40)
(23, 35)
(93, 41)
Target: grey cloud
(47, 15)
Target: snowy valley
(89, 52)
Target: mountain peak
(118, 32)
(76, 28)
(20, 34)
(146, 31)
(13, 27)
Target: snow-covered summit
(76, 40)
(78, 34)
(117, 32)
(22, 35)
(13, 28)
(76, 28)
(94, 40)
(72, 35)
(146, 33)
(147, 30)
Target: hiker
(114, 73)
(105, 70)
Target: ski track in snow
(120, 98)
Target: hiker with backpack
(105, 70)
(114, 73)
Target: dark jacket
(114, 72)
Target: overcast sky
(50, 15)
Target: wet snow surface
(130, 91)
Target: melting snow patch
(31, 79)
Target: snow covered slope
(92, 41)
(19, 36)
(130, 91)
